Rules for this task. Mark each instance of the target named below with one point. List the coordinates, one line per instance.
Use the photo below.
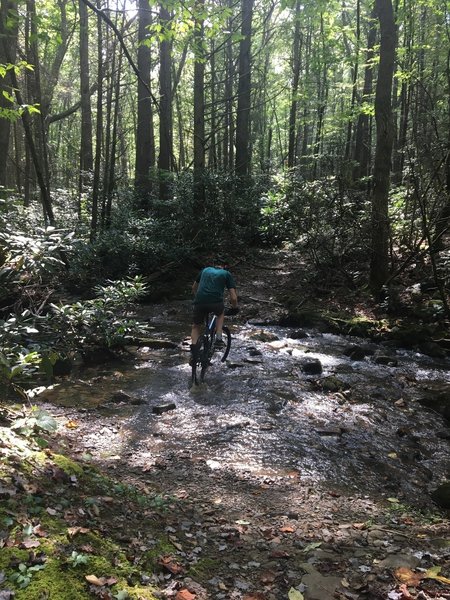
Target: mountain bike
(207, 348)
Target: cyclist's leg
(199, 313)
(219, 310)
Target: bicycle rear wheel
(198, 354)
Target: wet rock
(319, 587)
(441, 495)
(121, 396)
(432, 349)
(254, 352)
(162, 408)
(383, 359)
(437, 397)
(395, 561)
(156, 344)
(97, 356)
(312, 366)
(357, 352)
(299, 334)
(331, 384)
(264, 336)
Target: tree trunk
(362, 152)
(165, 106)
(296, 63)
(145, 140)
(8, 40)
(243, 158)
(199, 112)
(86, 149)
(379, 265)
(98, 131)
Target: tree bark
(86, 147)
(379, 264)
(8, 39)
(165, 107)
(145, 139)
(243, 157)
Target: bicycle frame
(206, 347)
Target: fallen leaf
(287, 529)
(268, 577)
(184, 594)
(30, 544)
(168, 563)
(72, 425)
(408, 577)
(294, 594)
(72, 531)
(406, 595)
(433, 573)
(256, 596)
(95, 580)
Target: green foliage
(102, 320)
(35, 421)
(329, 223)
(22, 577)
(76, 559)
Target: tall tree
(379, 263)
(8, 39)
(199, 108)
(165, 103)
(145, 139)
(86, 147)
(243, 155)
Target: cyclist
(208, 289)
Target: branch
(108, 21)
(66, 113)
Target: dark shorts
(201, 310)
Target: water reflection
(263, 414)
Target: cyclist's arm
(233, 297)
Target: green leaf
(294, 594)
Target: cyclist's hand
(229, 312)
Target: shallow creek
(358, 425)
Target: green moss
(150, 557)
(67, 465)
(203, 569)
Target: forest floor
(179, 530)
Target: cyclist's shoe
(219, 344)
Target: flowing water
(261, 413)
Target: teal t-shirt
(211, 285)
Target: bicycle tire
(197, 358)
(226, 337)
(205, 356)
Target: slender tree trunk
(243, 158)
(165, 107)
(145, 139)
(362, 154)
(99, 131)
(86, 149)
(379, 265)
(199, 112)
(8, 40)
(296, 64)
